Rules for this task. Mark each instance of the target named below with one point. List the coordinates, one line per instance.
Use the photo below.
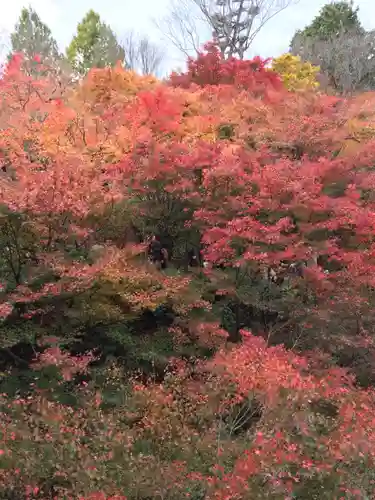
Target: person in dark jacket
(164, 261)
(155, 252)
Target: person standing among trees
(156, 253)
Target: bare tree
(347, 61)
(142, 55)
(184, 26)
(236, 23)
(233, 23)
(130, 45)
(4, 45)
(150, 56)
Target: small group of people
(157, 254)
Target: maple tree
(234, 427)
(56, 185)
(210, 68)
(275, 188)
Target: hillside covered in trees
(243, 370)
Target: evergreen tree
(94, 45)
(333, 20)
(336, 41)
(31, 36)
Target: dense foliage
(94, 46)
(250, 377)
(332, 19)
(337, 42)
(295, 73)
(31, 36)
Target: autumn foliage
(210, 68)
(296, 74)
(255, 377)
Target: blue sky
(62, 16)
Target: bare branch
(150, 56)
(183, 26)
(130, 46)
(5, 45)
(236, 23)
(142, 55)
(347, 61)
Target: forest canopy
(245, 368)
